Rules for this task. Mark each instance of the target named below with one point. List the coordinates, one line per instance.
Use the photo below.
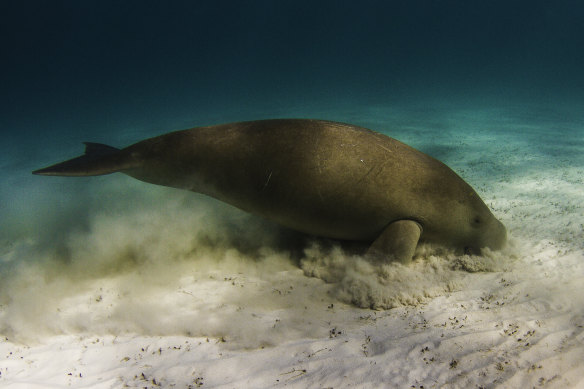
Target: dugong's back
(324, 178)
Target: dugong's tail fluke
(98, 159)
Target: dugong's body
(323, 178)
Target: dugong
(323, 178)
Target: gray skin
(323, 178)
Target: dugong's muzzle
(495, 237)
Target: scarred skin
(322, 178)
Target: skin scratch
(384, 148)
(268, 180)
(378, 168)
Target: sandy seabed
(130, 285)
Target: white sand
(141, 286)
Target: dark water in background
(71, 66)
(117, 72)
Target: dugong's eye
(476, 221)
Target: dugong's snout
(495, 237)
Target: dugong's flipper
(98, 159)
(397, 242)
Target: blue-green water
(119, 72)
